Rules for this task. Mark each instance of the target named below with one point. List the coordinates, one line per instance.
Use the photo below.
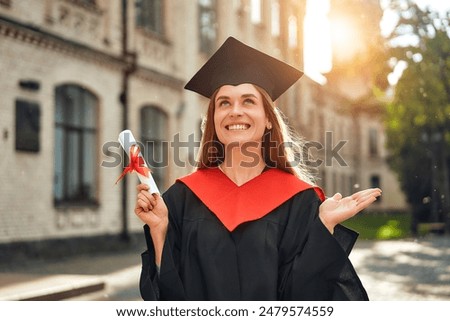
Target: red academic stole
(234, 205)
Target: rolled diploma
(126, 140)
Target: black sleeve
(317, 267)
(167, 285)
(347, 286)
(148, 283)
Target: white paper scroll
(126, 139)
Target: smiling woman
(249, 224)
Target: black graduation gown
(288, 254)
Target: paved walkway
(390, 270)
(405, 270)
(99, 277)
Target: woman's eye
(249, 101)
(224, 103)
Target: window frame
(374, 150)
(142, 17)
(27, 126)
(68, 129)
(256, 12)
(161, 143)
(207, 44)
(293, 32)
(275, 19)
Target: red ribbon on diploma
(136, 164)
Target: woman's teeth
(238, 127)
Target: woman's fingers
(366, 192)
(144, 194)
(142, 204)
(145, 200)
(147, 197)
(363, 199)
(149, 200)
(337, 196)
(142, 187)
(366, 200)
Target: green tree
(418, 118)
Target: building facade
(77, 72)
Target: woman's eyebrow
(222, 97)
(249, 95)
(242, 96)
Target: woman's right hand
(152, 210)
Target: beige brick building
(70, 71)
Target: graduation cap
(236, 63)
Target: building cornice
(37, 36)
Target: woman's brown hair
(280, 147)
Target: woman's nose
(236, 110)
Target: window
(275, 18)
(256, 15)
(292, 29)
(373, 142)
(207, 25)
(154, 123)
(27, 126)
(75, 179)
(375, 182)
(149, 15)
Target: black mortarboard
(236, 63)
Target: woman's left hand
(335, 210)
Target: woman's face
(239, 114)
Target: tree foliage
(418, 118)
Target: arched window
(154, 124)
(75, 179)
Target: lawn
(380, 226)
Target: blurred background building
(74, 73)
